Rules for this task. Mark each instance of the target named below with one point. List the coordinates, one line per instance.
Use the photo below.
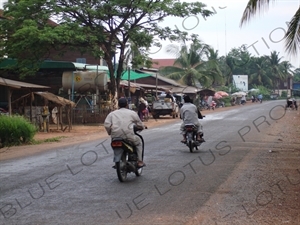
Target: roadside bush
(15, 130)
(226, 100)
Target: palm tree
(260, 75)
(190, 66)
(212, 68)
(275, 69)
(286, 67)
(296, 75)
(292, 36)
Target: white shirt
(189, 113)
(119, 123)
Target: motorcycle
(213, 105)
(125, 157)
(191, 136)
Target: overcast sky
(264, 32)
(222, 31)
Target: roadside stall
(46, 106)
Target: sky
(262, 35)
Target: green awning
(134, 75)
(7, 63)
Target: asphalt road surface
(77, 185)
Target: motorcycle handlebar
(136, 129)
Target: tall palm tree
(286, 67)
(260, 75)
(292, 36)
(275, 69)
(212, 68)
(189, 65)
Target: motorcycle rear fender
(118, 152)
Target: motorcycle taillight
(116, 144)
(189, 129)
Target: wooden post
(9, 94)
(60, 118)
(30, 106)
(68, 115)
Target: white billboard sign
(241, 82)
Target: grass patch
(48, 140)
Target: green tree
(287, 72)
(260, 72)
(212, 67)
(275, 70)
(234, 63)
(292, 35)
(101, 27)
(191, 65)
(296, 75)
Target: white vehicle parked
(164, 106)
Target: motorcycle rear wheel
(121, 168)
(138, 171)
(191, 146)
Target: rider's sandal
(141, 164)
(183, 141)
(200, 140)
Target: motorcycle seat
(121, 139)
(117, 139)
(190, 125)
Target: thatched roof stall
(13, 84)
(58, 103)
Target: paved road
(76, 185)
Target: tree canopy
(292, 36)
(102, 27)
(195, 63)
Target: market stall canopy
(207, 92)
(132, 75)
(217, 96)
(186, 90)
(19, 84)
(152, 87)
(222, 93)
(239, 94)
(56, 99)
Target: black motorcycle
(125, 157)
(191, 135)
